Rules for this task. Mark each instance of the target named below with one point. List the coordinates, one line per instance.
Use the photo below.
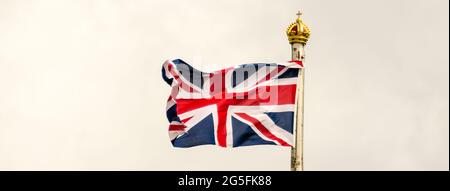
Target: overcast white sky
(81, 89)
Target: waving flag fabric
(250, 104)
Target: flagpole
(298, 34)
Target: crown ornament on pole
(298, 32)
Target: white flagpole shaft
(297, 150)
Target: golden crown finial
(298, 32)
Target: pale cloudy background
(80, 85)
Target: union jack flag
(251, 104)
